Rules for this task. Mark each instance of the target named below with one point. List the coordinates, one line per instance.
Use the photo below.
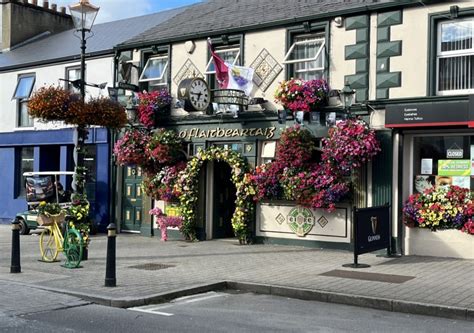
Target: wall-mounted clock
(195, 94)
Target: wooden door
(132, 199)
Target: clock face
(199, 95)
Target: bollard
(15, 264)
(110, 279)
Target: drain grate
(151, 266)
(389, 278)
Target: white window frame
(451, 54)
(23, 100)
(208, 72)
(165, 69)
(318, 53)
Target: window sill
(19, 129)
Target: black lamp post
(83, 15)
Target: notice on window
(464, 182)
(426, 166)
(454, 167)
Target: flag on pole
(222, 71)
(240, 78)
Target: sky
(111, 10)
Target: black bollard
(110, 279)
(15, 264)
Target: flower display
(162, 185)
(349, 144)
(164, 147)
(103, 111)
(48, 209)
(296, 174)
(188, 184)
(301, 95)
(54, 104)
(79, 219)
(58, 104)
(444, 207)
(151, 105)
(130, 148)
(165, 221)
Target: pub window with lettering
(443, 161)
(455, 57)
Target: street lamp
(83, 16)
(347, 97)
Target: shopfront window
(443, 160)
(25, 161)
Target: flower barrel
(442, 243)
(285, 219)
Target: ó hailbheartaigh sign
(371, 231)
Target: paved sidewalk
(436, 286)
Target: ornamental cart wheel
(73, 248)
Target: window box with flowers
(439, 222)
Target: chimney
(22, 21)
(62, 9)
(54, 7)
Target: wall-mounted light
(189, 46)
(306, 27)
(347, 97)
(225, 39)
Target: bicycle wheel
(48, 245)
(73, 248)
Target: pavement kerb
(378, 303)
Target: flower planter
(444, 243)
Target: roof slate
(213, 16)
(66, 45)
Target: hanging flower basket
(300, 95)
(153, 106)
(130, 148)
(54, 104)
(103, 111)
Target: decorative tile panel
(357, 22)
(266, 70)
(389, 18)
(187, 71)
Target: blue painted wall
(52, 151)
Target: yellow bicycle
(52, 242)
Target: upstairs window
(455, 57)
(72, 74)
(155, 72)
(22, 93)
(306, 56)
(230, 53)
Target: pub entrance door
(224, 195)
(131, 199)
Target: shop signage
(371, 229)
(454, 167)
(427, 114)
(218, 132)
(128, 86)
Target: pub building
(374, 47)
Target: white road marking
(152, 312)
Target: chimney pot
(34, 2)
(54, 7)
(45, 4)
(62, 9)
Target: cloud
(111, 10)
